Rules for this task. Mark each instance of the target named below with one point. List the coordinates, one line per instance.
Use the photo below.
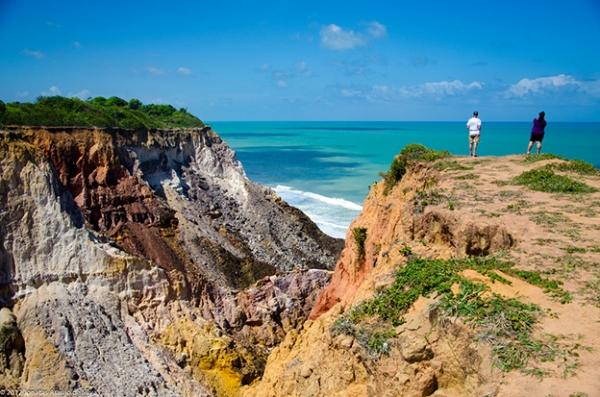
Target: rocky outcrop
(398, 219)
(145, 262)
(444, 211)
(12, 348)
(429, 354)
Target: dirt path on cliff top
(444, 211)
(557, 235)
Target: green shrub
(551, 287)
(360, 236)
(373, 339)
(409, 154)
(135, 103)
(406, 250)
(99, 111)
(505, 323)
(576, 166)
(545, 180)
(115, 101)
(532, 158)
(99, 100)
(378, 343)
(419, 277)
(159, 109)
(422, 199)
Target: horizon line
(387, 121)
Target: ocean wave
(331, 215)
(339, 202)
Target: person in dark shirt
(537, 132)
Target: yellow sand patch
(213, 359)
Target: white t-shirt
(474, 125)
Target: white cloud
(386, 93)
(591, 87)
(282, 77)
(336, 38)
(22, 94)
(376, 29)
(383, 92)
(350, 93)
(302, 69)
(83, 94)
(154, 71)
(448, 88)
(542, 84)
(182, 70)
(52, 91)
(301, 66)
(33, 53)
(302, 37)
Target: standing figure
(537, 132)
(474, 127)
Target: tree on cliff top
(98, 112)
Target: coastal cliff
(461, 277)
(145, 262)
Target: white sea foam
(332, 215)
(340, 202)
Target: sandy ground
(558, 235)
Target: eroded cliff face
(145, 262)
(455, 209)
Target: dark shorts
(536, 137)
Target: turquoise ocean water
(325, 168)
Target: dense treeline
(98, 112)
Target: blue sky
(305, 60)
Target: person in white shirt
(474, 127)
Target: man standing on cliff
(474, 127)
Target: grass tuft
(574, 250)
(467, 177)
(409, 154)
(375, 340)
(532, 158)
(577, 166)
(451, 165)
(360, 236)
(545, 180)
(551, 287)
(505, 323)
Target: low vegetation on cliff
(95, 112)
(506, 323)
(360, 236)
(409, 154)
(467, 283)
(546, 180)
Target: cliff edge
(461, 277)
(144, 262)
